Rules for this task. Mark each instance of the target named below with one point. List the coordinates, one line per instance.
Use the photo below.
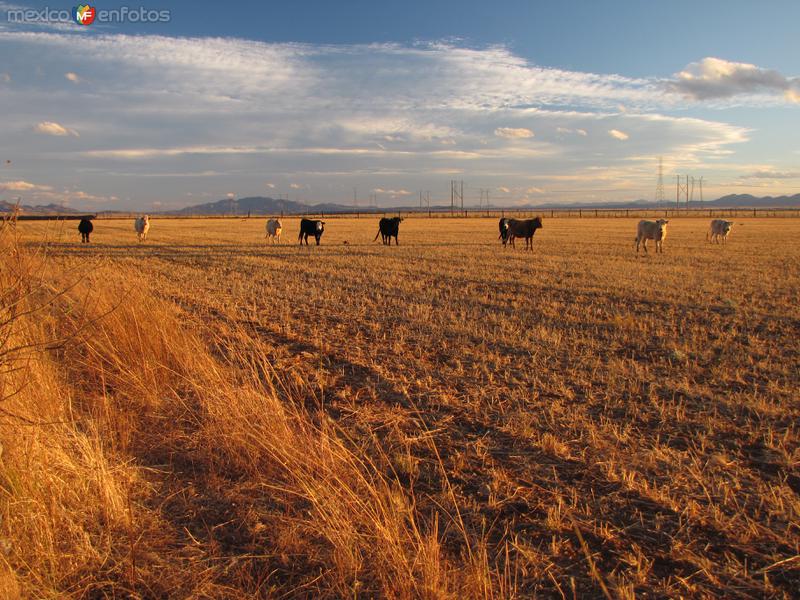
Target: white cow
(142, 225)
(651, 230)
(719, 229)
(274, 228)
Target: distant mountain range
(260, 205)
(729, 201)
(42, 209)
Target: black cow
(524, 229)
(504, 231)
(310, 227)
(85, 228)
(388, 229)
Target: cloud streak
(511, 133)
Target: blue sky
(537, 102)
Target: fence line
(555, 213)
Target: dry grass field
(205, 415)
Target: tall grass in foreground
(137, 462)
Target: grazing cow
(274, 228)
(85, 228)
(388, 229)
(651, 230)
(524, 229)
(504, 231)
(142, 225)
(719, 229)
(311, 227)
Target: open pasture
(573, 419)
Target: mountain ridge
(268, 205)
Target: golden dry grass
(218, 417)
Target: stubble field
(439, 419)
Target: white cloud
(85, 197)
(52, 128)
(270, 186)
(295, 186)
(22, 186)
(503, 189)
(581, 132)
(617, 134)
(513, 132)
(73, 77)
(718, 78)
(392, 192)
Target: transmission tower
(456, 195)
(484, 194)
(689, 189)
(660, 183)
(682, 190)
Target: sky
(318, 101)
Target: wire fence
(554, 213)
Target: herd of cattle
(389, 228)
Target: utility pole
(687, 192)
(462, 195)
(452, 195)
(355, 198)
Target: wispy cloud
(22, 186)
(53, 128)
(771, 174)
(393, 193)
(513, 132)
(156, 108)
